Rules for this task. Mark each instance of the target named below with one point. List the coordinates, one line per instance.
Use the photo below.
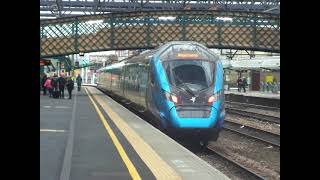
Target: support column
(92, 78)
(58, 68)
(86, 74)
(82, 73)
(74, 59)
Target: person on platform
(62, 83)
(48, 85)
(43, 81)
(274, 85)
(70, 86)
(268, 85)
(239, 82)
(244, 83)
(73, 78)
(62, 74)
(54, 83)
(79, 82)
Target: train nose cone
(186, 117)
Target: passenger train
(179, 85)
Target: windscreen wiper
(204, 88)
(187, 89)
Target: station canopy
(269, 63)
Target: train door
(126, 83)
(151, 89)
(135, 88)
(142, 81)
(131, 90)
(122, 81)
(108, 79)
(129, 83)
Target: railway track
(214, 155)
(253, 133)
(250, 114)
(249, 172)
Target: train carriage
(179, 84)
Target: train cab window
(189, 74)
(195, 74)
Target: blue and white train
(179, 85)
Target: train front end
(191, 79)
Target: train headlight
(171, 97)
(174, 99)
(216, 97)
(211, 100)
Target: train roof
(189, 51)
(144, 57)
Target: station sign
(269, 79)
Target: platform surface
(261, 94)
(93, 137)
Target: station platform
(93, 137)
(254, 94)
(254, 97)
(94, 85)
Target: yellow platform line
(160, 169)
(132, 170)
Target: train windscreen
(195, 75)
